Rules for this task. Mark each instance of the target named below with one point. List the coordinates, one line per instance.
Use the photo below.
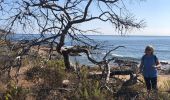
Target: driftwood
(115, 72)
(122, 72)
(65, 89)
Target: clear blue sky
(156, 14)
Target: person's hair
(149, 48)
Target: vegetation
(44, 80)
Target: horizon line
(99, 34)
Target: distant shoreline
(119, 35)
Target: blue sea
(134, 45)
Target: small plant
(51, 74)
(15, 93)
(57, 64)
(89, 89)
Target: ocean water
(134, 45)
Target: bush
(52, 74)
(15, 93)
(88, 89)
(48, 77)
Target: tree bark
(66, 60)
(108, 73)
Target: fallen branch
(115, 72)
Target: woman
(149, 69)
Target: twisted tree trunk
(66, 60)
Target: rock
(164, 62)
(122, 62)
(65, 83)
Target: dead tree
(103, 62)
(61, 19)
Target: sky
(156, 14)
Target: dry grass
(40, 79)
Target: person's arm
(157, 63)
(158, 66)
(141, 67)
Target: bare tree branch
(61, 20)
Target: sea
(133, 46)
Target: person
(149, 68)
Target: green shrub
(52, 73)
(89, 89)
(58, 64)
(15, 93)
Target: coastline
(165, 65)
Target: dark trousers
(151, 83)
